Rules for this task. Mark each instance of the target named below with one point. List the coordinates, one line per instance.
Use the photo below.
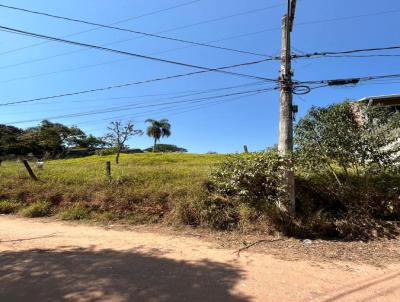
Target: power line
(128, 84)
(103, 63)
(358, 56)
(348, 17)
(114, 23)
(345, 81)
(122, 108)
(176, 95)
(17, 31)
(134, 31)
(196, 24)
(172, 108)
(327, 53)
(171, 29)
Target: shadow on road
(108, 275)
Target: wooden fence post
(245, 149)
(108, 170)
(28, 168)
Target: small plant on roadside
(37, 209)
(74, 212)
(8, 206)
(243, 188)
(104, 217)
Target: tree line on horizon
(54, 140)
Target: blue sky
(222, 125)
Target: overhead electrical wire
(170, 108)
(103, 63)
(175, 95)
(136, 32)
(167, 30)
(353, 80)
(352, 51)
(129, 84)
(185, 47)
(113, 23)
(122, 108)
(17, 31)
(387, 12)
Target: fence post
(108, 170)
(245, 149)
(29, 169)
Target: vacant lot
(144, 187)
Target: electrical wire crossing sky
(210, 67)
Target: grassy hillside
(144, 187)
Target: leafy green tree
(166, 148)
(349, 136)
(158, 129)
(348, 169)
(10, 142)
(90, 142)
(119, 134)
(52, 138)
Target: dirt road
(45, 260)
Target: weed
(8, 206)
(37, 209)
(74, 212)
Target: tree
(10, 141)
(52, 138)
(348, 136)
(158, 129)
(166, 148)
(90, 142)
(119, 134)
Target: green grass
(144, 187)
(9, 206)
(74, 212)
(37, 209)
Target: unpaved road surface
(46, 260)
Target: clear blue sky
(199, 127)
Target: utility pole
(285, 144)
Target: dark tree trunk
(117, 157)
(155, 145)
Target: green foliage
(74, 212)
(9, 206)
(158, 129)
(245, 187)
(90, 142)
(105, 152)
(166, 148)
(118, 136)
(47, 139)
(253, 178)
(347, 161)
(152, 183)
(37, 209)
(10, 142)
(348, 137)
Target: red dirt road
(45, 260)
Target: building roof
(385, 100)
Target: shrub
(245, 188)
(166, 148)
(105, 152)
(348, 177)
(37, 209)
(74, 212)
(8, 206)
(104, 217)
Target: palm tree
(158, 129)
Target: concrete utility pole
(285, 145)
